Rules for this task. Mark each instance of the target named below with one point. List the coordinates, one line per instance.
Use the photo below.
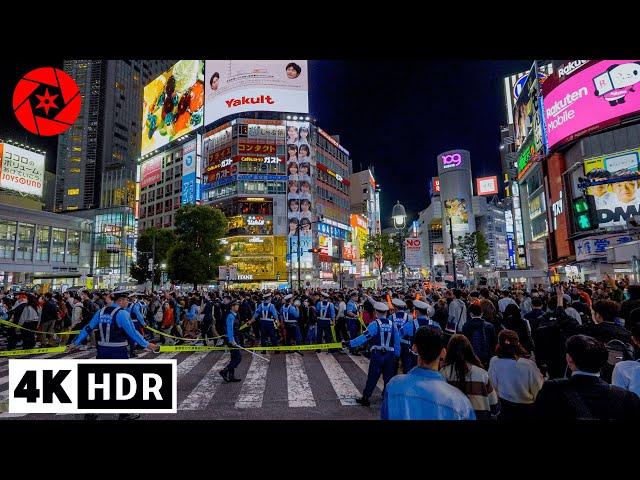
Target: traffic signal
(314, 250)
(584, 213)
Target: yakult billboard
(234, 86)
(592, 98)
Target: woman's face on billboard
(625, 191)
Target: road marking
(201, 395)
(253, 387)
(363, 363)
(298, 388)
(190, 362)
(340, 381)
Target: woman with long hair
(517, 379)
(489, 314)
(463, 369)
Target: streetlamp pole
(298, 249)
(399, 216)
(153, 256)
(453, 253)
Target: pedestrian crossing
(313, 381)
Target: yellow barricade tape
(198, 348)
(333, 333)
(32, 351)
(364, 326)
(15, 325)
(181, 338)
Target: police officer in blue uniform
(401, 314)
(233, 340)
(425, 312)
(326, 318)
(115, 328)
(138, 311)
(351, 312)
(384, 341)
(268, 315)
(289, 315)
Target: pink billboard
(597, 96)
(151, 171)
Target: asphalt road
(287, 386)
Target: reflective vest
(417, 323)
(285, 315)
(383, 341)
(324, 309)
(400, 318)
(265, 312)
(142, 309)
(111, 335)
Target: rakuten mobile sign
(594, 97)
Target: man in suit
(585, 396)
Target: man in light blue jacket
(424, 394)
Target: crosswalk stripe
(190, 362)
(363, 363)
(200, 396)
(298, 388)
(252, 391)
(340, 381)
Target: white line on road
(363, 363)
(340, 381)
(200, 396)
(252, 391)
(298, 388)
(188, 364)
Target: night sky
(394, 115)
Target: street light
(399, 216)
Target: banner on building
(413, 252)
(596, 247)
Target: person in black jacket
(481, 335)
(14, 316)
(551, 335)
(535, 314)
(585, 396)
(604, 327)
(512, 320)
(630, 305)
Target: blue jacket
(424, 394)
(373, 333)
(270, 310)
(232, 326)
(291, 312)
(123, 320)
(136, 313)
(330, 310)
(408, 331)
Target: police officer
(401, 315)
(267, 314)
(138, 311)
(233, 340)
(425, 312)
(326, 317)
(351, 312)
(114, 328)
(384, 341)
(290, 315)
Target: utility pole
(453, 253)
(153, 261)
(299, 279)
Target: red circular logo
(46, 101)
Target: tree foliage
(197, 253)
(473, 248)
(388, 245)
(165, 239)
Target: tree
(388, 245)
(473, 248)
(165, 239)
(197, 253)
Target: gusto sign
(451, 160)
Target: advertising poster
(21, 170)
(189, 175)
(300, 200)
(615, 202)
(413, 252)
(234, 86)
(438, 254)
(596, 247)
(487, 185)
(456, 209)
(598, 95)
(151, 171)
(173, 104)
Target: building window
(42, 243)
(73, 244)
(57, 249)
(74, 170)
(7, 238)
(26, 232)
(73, 191)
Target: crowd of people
(567, 351)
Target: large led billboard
(615, 202)
(151, 171)
(527, 116)
(597, 96)
(21, 170)
(234, 86)
(173, 104)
